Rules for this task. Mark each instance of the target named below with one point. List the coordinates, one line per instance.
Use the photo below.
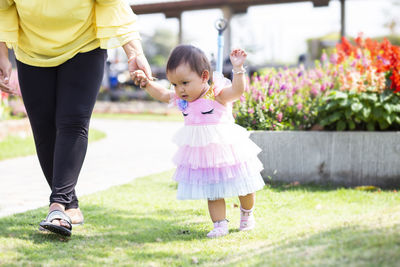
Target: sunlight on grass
(16, 146)
(142, 224)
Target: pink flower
(365, 62)
(319, 74)
(323, 87)
(271, 82)
(270, 92)
(290, 102)
(314, 90)
(334, 58)
(279, 116)
(242, 98)
(250, 110)
(324, 57)
(299, 106)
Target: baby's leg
(217, 209)
(247, 201)
(247, 221)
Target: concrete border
(339, 158)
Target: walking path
(131, 149)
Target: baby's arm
(154, 89)
(229, 94)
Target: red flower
(384, 57)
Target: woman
(60, 47)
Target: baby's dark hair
(194, 57)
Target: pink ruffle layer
(202, 176)
(216, 155)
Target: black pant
(59, 102)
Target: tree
(158, 47)
(393, 21)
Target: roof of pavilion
(174, 8)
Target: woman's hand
(136, 58)
(139, 62)
(5, 70)
(238, 57)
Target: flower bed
(355, 88)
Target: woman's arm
(237, 56)
(136, 58)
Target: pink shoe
(220, 229)
(247, 221)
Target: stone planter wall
(340, 158)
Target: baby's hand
(238, 56)
(139, 78)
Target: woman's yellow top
(47, 33)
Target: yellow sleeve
(8, 22)
(115, 22)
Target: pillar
(180, 33)
(227, 13)
(342, 18)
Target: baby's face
(187, 83)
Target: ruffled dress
(215, 158)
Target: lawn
(142, 224)
(15, 146)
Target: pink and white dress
(216, 158)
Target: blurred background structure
(275, 33)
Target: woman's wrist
(133, 49)
(3, 50)
(134, 55)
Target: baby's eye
(184, 83)
(208, 112)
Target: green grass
(140, 116)
(15, 146)
(142, 224)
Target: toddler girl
(215, 159)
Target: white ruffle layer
(231, 188)
(203, 135)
